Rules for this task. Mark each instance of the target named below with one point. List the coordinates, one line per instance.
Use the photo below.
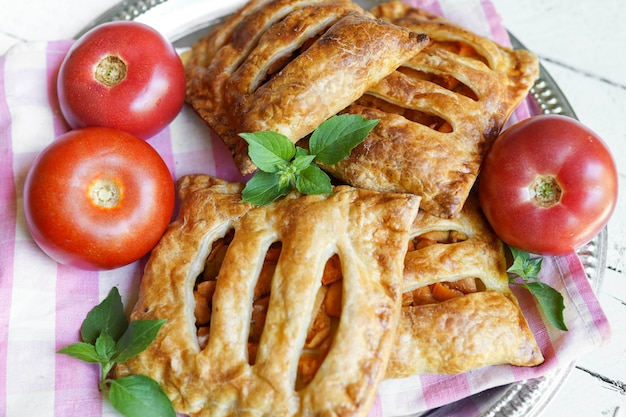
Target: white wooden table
(582, 47)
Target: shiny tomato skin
(98, 198)
(548, 146)
(148, 98)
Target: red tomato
(123, 75)
(98, 198)
(548, 185)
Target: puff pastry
(367, 230)
(438, 112)
(482, 324)
(288, 65)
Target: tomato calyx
(106, 80)
(545, 191)
(111, 70)
(548, 185)
(105, 194)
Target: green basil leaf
(300, 151)
(518, 253)
(524, 266)
(282, 164)
(301, 162)
(528, 269)
(82, 351)
(334, 139)
(533, 268)
(139, 396)
(269, 151)
(107, 317)
(286, 177)
(136, 339)
(312, 180)
(105, 347)
(551, 302)
(263, 188)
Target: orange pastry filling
(445, 290)
(329, 299)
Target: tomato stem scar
(545, 191)
(111, 71)
(105, 194)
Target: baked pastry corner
(288, 65)
(458, 311)
(229, 373)
(439, 112)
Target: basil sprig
(108, 338)
(283, 166)
(524, 272)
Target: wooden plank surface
(582, 47)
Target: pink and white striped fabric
(42, 304)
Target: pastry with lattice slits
(458, 311)
(241, 289)
(287, 65)
(438, 112)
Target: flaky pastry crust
(470, 331)
(287, 65)
(438, 112)
(368, 230)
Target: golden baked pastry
(287, 65)
(458, 312)
(438, 112)
(218, 245)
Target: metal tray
(185, 21)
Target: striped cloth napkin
(43, 304)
